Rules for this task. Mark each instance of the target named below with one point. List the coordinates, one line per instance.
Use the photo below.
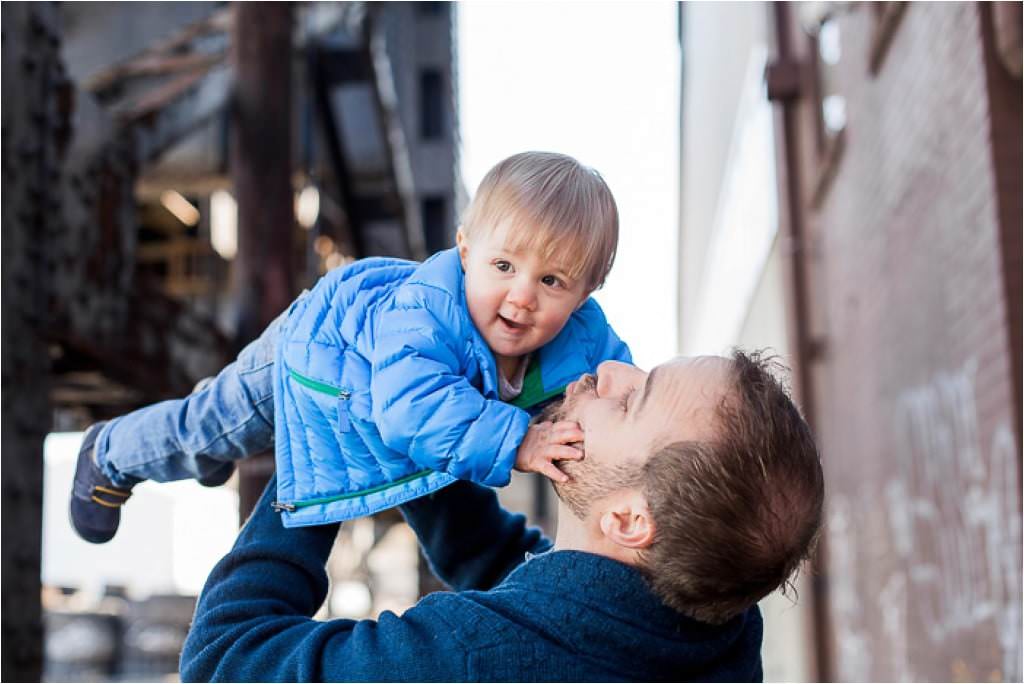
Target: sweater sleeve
(470, 541)
(423, 404)
(253, 619)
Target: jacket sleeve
(253, 619)
(471, 542)
(424, 406)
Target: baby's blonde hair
(553, 203)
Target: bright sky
(598, 81)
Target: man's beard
(589, 480)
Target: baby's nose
(522, 296)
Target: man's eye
(552, 281)
(624, 401)
(503, 266)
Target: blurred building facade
(886, 270)
(174, 174)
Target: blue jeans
(232, 417)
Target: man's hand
(548, 442)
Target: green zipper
(318, 386)
(533, 388)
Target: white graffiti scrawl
(954, 515)
(945, 563)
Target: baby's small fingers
(567, 435)
(552, 472)
(565, 432)
(561, 452)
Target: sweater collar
(605, 609)
(574, 573)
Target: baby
(392, 379)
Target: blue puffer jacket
(385, 391)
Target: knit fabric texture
(558, 616)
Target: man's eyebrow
(647, 391)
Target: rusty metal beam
(263, 279)
(351, 75)
(33, 131)
(152, 65)
(131, 329)
(164, 56)
(167, 116)
(1001, 40)
(399, 165)
(788, 90)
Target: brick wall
(914, 393)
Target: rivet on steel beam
(35, 25)
(28, 150)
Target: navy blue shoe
(219, 476)
(95, 501)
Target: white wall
(731, 272)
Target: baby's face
(518, 300)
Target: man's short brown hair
(735, 517)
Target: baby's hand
(548, 442)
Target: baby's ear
(462, 242)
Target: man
(700, 492)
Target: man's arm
(469, 539)
(253, 620)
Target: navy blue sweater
(557, 616)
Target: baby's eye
(552, 281)
(503, 265)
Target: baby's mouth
(512, 325)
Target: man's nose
(615, 378)
(523, 295)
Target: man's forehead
(690, 367)
(687, 388)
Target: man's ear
(462, 242)
(628, 522)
